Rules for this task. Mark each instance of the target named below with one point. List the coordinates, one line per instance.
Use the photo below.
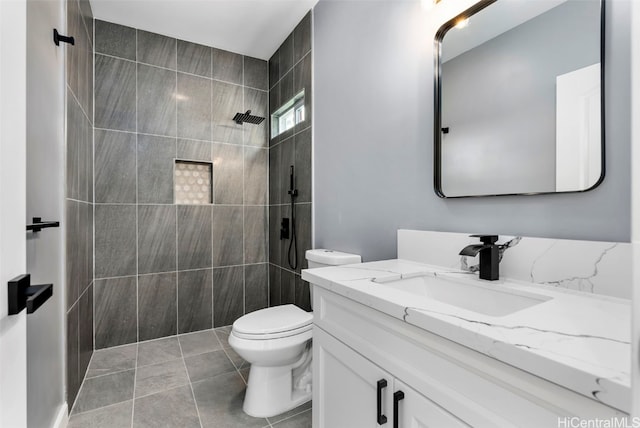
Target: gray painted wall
(373, 145)
(491, 128)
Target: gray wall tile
(286, 55)
(75, 123)
(274, 174)
(115, 312)
(113, 360)
(228, 163)
(115, 94)
(160, 377)
(194, 237)
(302, 80)
(275, 218)
(155, 169)
(302, 38)
(158, 351)
(274, 285)
(72, 252)
(194, 107)
(156, 101)
(156, 49)
(194, 58)
(227, 101)
(194, 150)
(228, 295)
(87, 16)
(115, 167)
(115, 240)
(256, 176)
(257, 102)
(195, 300)
(116, 40)
(255, 234)
(287, 287)
(73, 355)
(227, 235)
(283, 245)
(302, 143)
(85, 331)
(157, 307)
(287, 92)
(287, 159)
(156, 238)
(256, 287)
(105, 390)
(227, 66)
(79, 59)
(199, 343)
(274, 69)
(303, 222)
(302, 294)
(256, 73)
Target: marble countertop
(577, 340)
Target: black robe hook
(57, 38)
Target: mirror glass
(518, 99)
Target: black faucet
(489, 256)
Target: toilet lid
(276, 319)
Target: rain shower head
(241, 118)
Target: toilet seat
(273, 323)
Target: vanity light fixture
(462, 23)
(427, 5)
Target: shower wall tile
(79, 59)
(155, 169)
(115, 168)
(287, 159)
(302, 294)
(228, 292)
(157, 305)
(303, 219)
(256, 287)
(274, 69)
(85, 329)
(274, 285)
(256, 176)
(274, 174)
(283, 245)
(156, 100)
(73, 355)
(194, 107)
(256, 73)
(255, 234)
(274, 234)
(228, 163)
(72, 252)
(287, 92)
(115, 247)
(115, 94)
(156, 49)
(227, 101)
(195, 300)
(287, 287)
(227, 235)
(115, 312)
(302, 38)
(227, 66)
(302, 162)
(194, 58)
(194, 150)
(257, 102)
(87, 17)
(286, 55)
(76, 130)
(194, 237)
(156, 238)
(302, 80)
(115, 40)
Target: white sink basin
(480, 298)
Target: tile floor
(190, 380)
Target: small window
(288, 116)
(192, 183)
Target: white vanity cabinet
(443, 384)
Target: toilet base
(275, 390)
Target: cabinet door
(345, 390)
(414, 410)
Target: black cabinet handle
(21, 294)
(397, 397)
(382, 419)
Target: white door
(345, 392)
(414, 410)
(45, 178)
(13, 328)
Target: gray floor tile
(199, 343)
(236, 359)
(223, 335)
(219, 401)
(160, 377)
(172, 408)
(158, 351)
(208, 365)
(245, 373)
(303, 420)
(115, 416)
(105, 390)
(286, 415)
(112, 360)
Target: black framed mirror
(519, 99)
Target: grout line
(135, 376)
(193, 394)
(137, 237)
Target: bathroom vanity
(400, 343)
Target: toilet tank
(323, 258)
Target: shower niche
(192, 183)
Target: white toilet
(276, 342)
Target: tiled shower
(168, 252)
